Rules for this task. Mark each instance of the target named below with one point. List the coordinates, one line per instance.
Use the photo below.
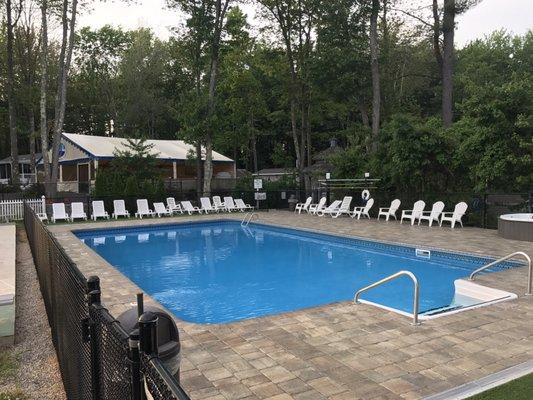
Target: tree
(374, 56)
(43, 92)
(220, 13)
(207, 18)
(27, 60)
(295, 23)
(10, 83)
(65, 59)
(448, 29)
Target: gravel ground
(37, 374)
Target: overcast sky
(513, 15)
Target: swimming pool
(218, 272)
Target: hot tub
(516, 226)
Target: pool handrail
(507, 257)
(416, 295)
(248, 217)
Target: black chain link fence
(98, 359)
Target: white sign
(258, 184)
(260, 196)
(367, 174)
(328, 175)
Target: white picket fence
(13, 210)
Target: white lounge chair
(188, 207)
(344, 208)
(99, 210)
(303, 206)
(59, 213)
(314, 208)
(364, 211)
(173, 207)
(433, 215)
(77, 212)
(415, 213)
(207, 207)
(230, 204)
(218, 203)
(388, 212)
(143, 209)
(456, 215)
(160, 209)
(119, 209)
(42, 216)
(333, 208)
(239, 203)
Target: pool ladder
(248, 217)
(507, 257)
(416, 295)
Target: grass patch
(519, 389)
(8, 364)
(16, 394)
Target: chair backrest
(239, 203)
(77, 209)
(119, 206)
(436, 209)
(217, 201)
(345, 206)
(142, 206)
(369, 205)
(321, 203)
(334, 205)
(418, 207)
(171, 203)
(460, 209)
(187, 205)
(98, 207)
(160, 208)
(394, 205)
(58, 210)
(308, 202)
(206, 203)
(228, 201)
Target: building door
(83, 178)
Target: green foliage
(132, 84)
(132, 173)
(489, 147)
(518, 389)
(285, 182)
(17, 394)
(8, 364)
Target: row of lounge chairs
(339, 208)
(59, 212)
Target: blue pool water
(219, 272)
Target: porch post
(60, 173)
(174, 170)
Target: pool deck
(341, 351)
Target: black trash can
(168, 339)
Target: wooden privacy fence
(13, 210)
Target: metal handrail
(390, 278)
(507, 257)
(248, 217)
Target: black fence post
(148, 334)
(135, 365)
(93, 298)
